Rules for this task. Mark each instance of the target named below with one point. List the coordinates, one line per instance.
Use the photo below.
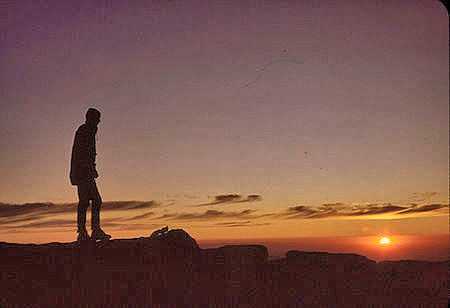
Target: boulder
(174, 243)
(176, 238)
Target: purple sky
(300, 102)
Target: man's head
(92, 116)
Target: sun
(385, 241)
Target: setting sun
(385, 241)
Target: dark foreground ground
(172, 271)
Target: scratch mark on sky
(261, 71)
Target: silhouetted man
(83, 174)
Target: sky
(229, 119)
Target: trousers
(88, 191)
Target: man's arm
(85, 153)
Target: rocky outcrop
(170, 269)
(325, 261)
(236, 254)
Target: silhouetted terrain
(173, 271)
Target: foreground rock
(171, 270)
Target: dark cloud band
(232, 198)
(341, 210)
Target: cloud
(374, 210)
(47, 223)
(128, 205)
(209, 214)
(423, 208)
(9, 209)
(145, 215)
(336, 204)
(22, 219)
(232, 198)
(165, 216)
(342, 210)
(36, 214)
(227, 198)
(181, 196)
(247, 223)
(422, 196)
(145, 205)
(301, 209)
(148, 227)
(15, 217)
(11, 213)
(57, 223)
(232, 223)
(251, 198)
(307, 212)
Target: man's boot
(83, 235)
(81, 220)
(99, 234)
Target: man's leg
(83, 204)
(95, 217)
(96, 204)
(82, 207)
(97, 232)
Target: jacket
(82, 163)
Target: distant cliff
(170, 269)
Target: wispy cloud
(423, 208)
(42, 215)
(182, 196)
(375, 210)
(342, 210)
(58, 223)
(128, 205)
(10, 210)
(208, 215)
(140, 226)
(28, 216)
(251, 198)
(336, 204)
(423, 196)
(30, 211)
(45, 224)
(137, 217)
(247, 223)
(232, 198)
